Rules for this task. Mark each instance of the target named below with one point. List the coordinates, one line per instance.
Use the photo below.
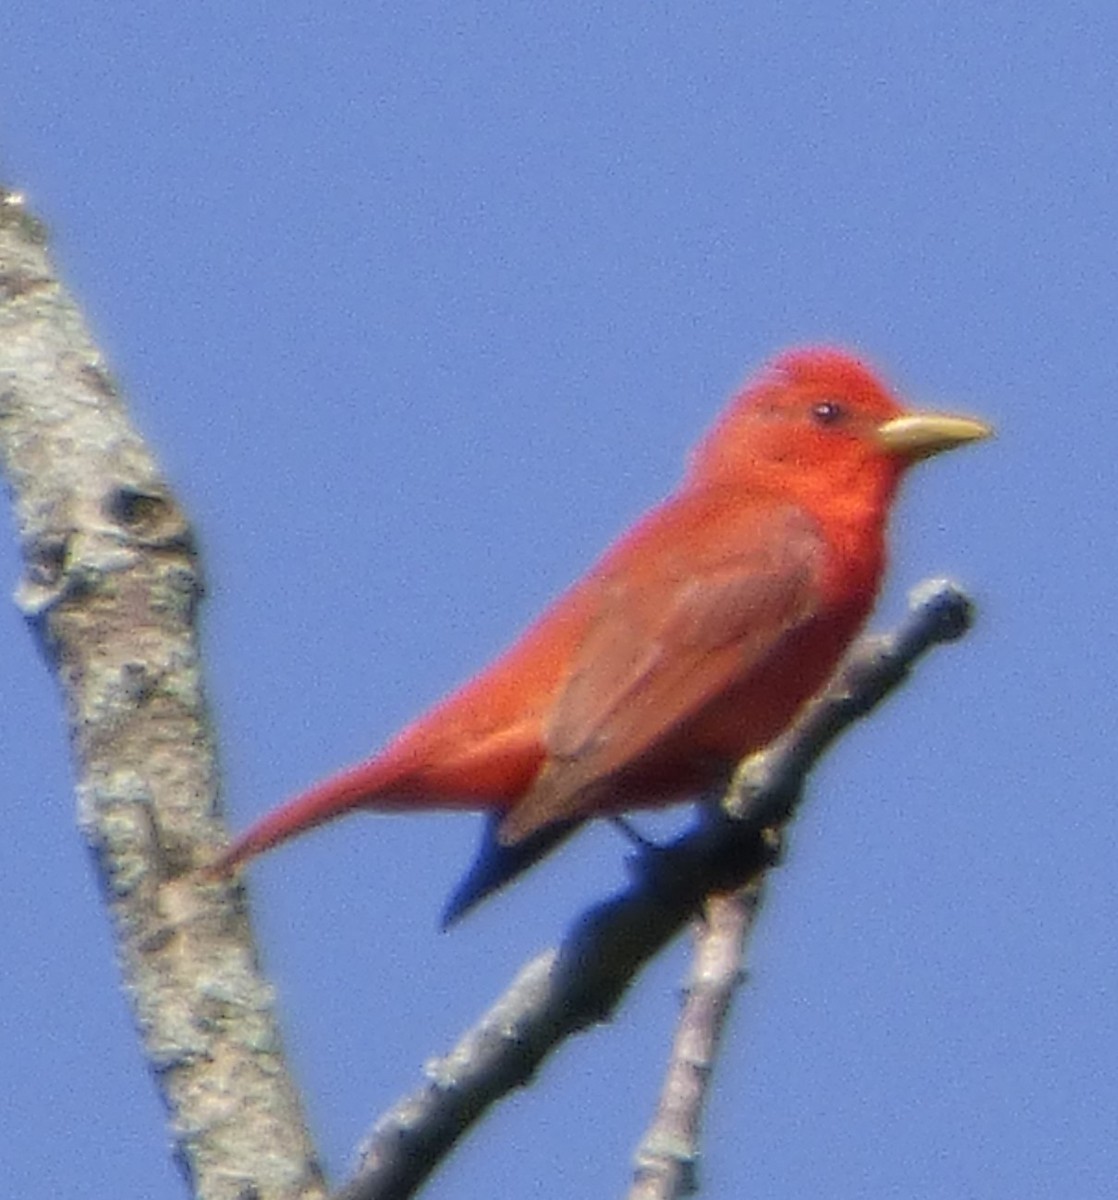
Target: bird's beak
(919, 435)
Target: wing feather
(665, 642)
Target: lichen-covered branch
(564, 991)
(110, 587)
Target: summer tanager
(692, 642)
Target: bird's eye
(828, 412)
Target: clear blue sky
(420, 305)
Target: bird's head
(820, 421)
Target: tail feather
(372, 784)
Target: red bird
(692, 642)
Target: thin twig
(667, 1159)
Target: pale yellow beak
(919, 435)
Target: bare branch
(110, 589)
(564, 991)
(668, 1155)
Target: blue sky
(419, 308)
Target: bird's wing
(692, 625)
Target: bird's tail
(375, 784)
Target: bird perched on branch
(691, 643)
